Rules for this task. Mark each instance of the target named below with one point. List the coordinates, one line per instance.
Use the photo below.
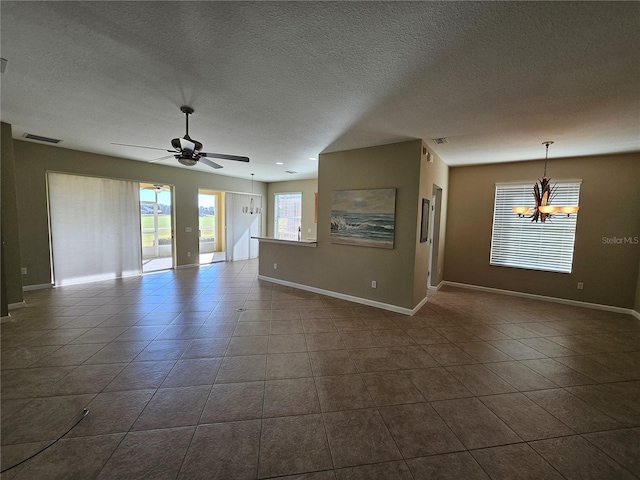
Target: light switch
(187, 229)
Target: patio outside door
(156, 227)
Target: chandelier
(543, 194)
(251, 209)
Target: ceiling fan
(189, 151)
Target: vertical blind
(95, 228)
(519, 242)
(241, 227)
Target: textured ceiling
(285, 81)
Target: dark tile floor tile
(239, 346)
(483, 352)
(516, 349)
(449, 354)
(229, 402)
(70, 459)
(407, 357)
(86, 379)
(525, 417)
(519, 376)
(223, 450)
(242, 369)
(388, 471)
(193, 371)
(206, 348)
(359, 437)
(117, 352)
(331, 362)
(291, 445)
(515, 462)
(577, 459)
(373, 359)
(391, 388)
(558, 373)
(156, 454)
(617, 406)
(287, 343)
(621, 445)
(341, 392)
(43, 418)
(294, 396)
(474, 424)
(112, 412)
(451, 466)
(163, 350)
(70, 355)
(141, 375)
(480, 380)
(573, 412)
(419, 431)
(425, 336)
(547, 347)
(288, 365)
(437, 384)
(173, 407)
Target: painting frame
(424, 221)
(363, 217)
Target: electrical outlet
(308, 230)
(580, 285)
(188, 254)
(275, 266)
(23, 270)
(374, 284)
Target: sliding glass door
(210, 226)
(156, 227)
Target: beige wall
(11, 257)
(308, 188)
(349, 269)
(609, 207)
(636, 306)
(34, 160)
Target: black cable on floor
(84, 414)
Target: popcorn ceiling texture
(284, 81)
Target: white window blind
(519, 242)
(95, 228)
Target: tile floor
(209, 373)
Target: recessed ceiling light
(279, 163)
(313, 158)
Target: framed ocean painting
(364, 218)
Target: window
(288, 215)
(519, 242)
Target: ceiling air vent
(40, 138)
(441, 140)
(291, 172)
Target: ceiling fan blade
(161, 158)
(140, 146)
(206, 161)
(224, 157)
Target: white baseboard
(437, 287)
(13, 306)
(350, 298)
(565, 301)
(5, 319)
(41, 286)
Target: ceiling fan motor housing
(187, 160)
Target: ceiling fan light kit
(543, 194)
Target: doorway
(156, 227)
(435, 276)
(210, 222)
